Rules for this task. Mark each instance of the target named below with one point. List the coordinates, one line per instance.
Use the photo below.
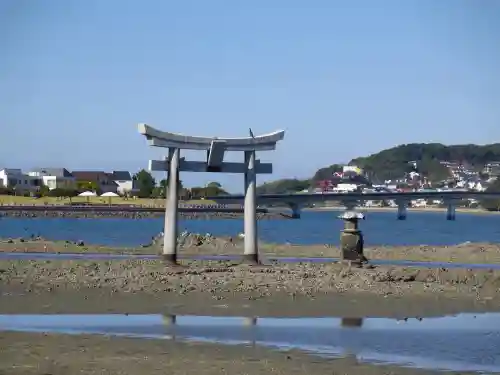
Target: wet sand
(196, 244)
(37, 354)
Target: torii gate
(215, 149)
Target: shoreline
(478, 211)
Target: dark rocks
(196, 240)
(132, 215)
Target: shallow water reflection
(101, 256)
(465, 342)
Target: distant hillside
(393, 162)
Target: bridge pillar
(351, 238)
(402, 209)
(169, 320)
(295, 210)
(171, 208)
(450, 210)
(250, 254)
(350, 205)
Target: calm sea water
(380, 228)
(461, 343)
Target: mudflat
(221, 288)
(37, 353)
(195, 244)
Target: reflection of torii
(170, 321)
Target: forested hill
(393, 163)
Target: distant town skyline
(344, 79)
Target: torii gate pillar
(172, 208)
(251, 252)
(215, 149)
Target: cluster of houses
(461, 177)
(119, 182)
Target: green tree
(326, 172)
(283, 186)
(158, 192)
(44, 191)
(6, 191)
(87, 186)
(58, 192)
(214, 184)
(197, 192)
(161, 190)
(146, 183)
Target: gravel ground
(43, 354)
(325, 289)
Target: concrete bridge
(350, 200)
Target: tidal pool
(466, 342)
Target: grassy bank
(147, 202)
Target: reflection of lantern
(352, 322)
(250, 322)
(169, 320)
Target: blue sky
(343, 78)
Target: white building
(346, 188)
(126, 184)
(54, 178)
(14, 178)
